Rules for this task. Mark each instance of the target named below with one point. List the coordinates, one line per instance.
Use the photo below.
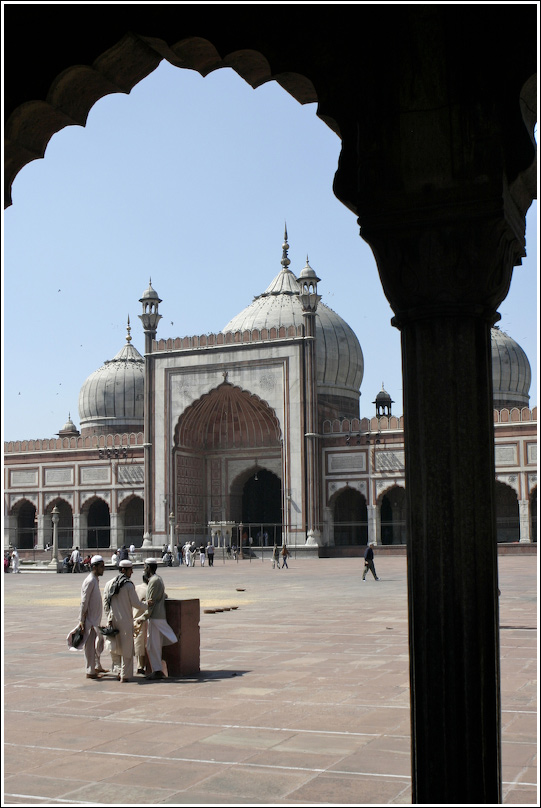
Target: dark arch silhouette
(350, 518)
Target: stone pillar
(116, 536)
(524, 517)
(42, 540)
(373, 537)
(441, 177)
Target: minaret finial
(128, 337)
(285, 247)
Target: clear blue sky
(188, 181)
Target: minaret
(150, 319)
(309, 298)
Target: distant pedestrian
(210, 554)
(369, 562)
(179, 553)
(15, 560)
(202, 555)
(285, 553)
(123, 554)
(276, 557)
(75, 560)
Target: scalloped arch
(389, 488)
(228, 418)
(15, 506)
(90, 499)
(76, 89)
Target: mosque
(251, 434)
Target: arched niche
(507, 513)
(350, 516)
(392, 506)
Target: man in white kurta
(90, 615)
(160, 632)
(121, 600)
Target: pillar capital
(442, 262)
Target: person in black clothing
(123, 554)
(369, 562)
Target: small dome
(112, 398)
(511, 372)
(308, 273)
(69, 429)
(150, 294)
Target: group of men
(187, 553)
(136, 621)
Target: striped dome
(511, 372)
(112, 398)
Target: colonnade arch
(96, 523)
(130, 521)
(350, 516)
(533, 514)
(392, 515)
(23, 530)
(65, 523)
(507, 513)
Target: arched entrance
(262, 507)
(98, 525)
(393, 516)
(25, 532)
(215, 436)
(507, 513)
(350, 518)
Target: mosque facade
(251, 434)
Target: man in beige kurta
(160, 632)
(121, 600)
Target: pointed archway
(219, 437)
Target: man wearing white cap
(120, 599)
(90, 616)
(160, 632)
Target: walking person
(276, 557)
(369, 562)
(90, 616)
(75, 560)
(285, 553)
(210, 554)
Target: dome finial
(285, 247)
(128, 328)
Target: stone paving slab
(303, 696)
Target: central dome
(339, 358)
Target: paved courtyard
(303, 697)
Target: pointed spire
(128, 337)
(285, 247)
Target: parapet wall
(80, 442)
(515, 415)
(363, 424)
(394, 422)
(227, 338)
